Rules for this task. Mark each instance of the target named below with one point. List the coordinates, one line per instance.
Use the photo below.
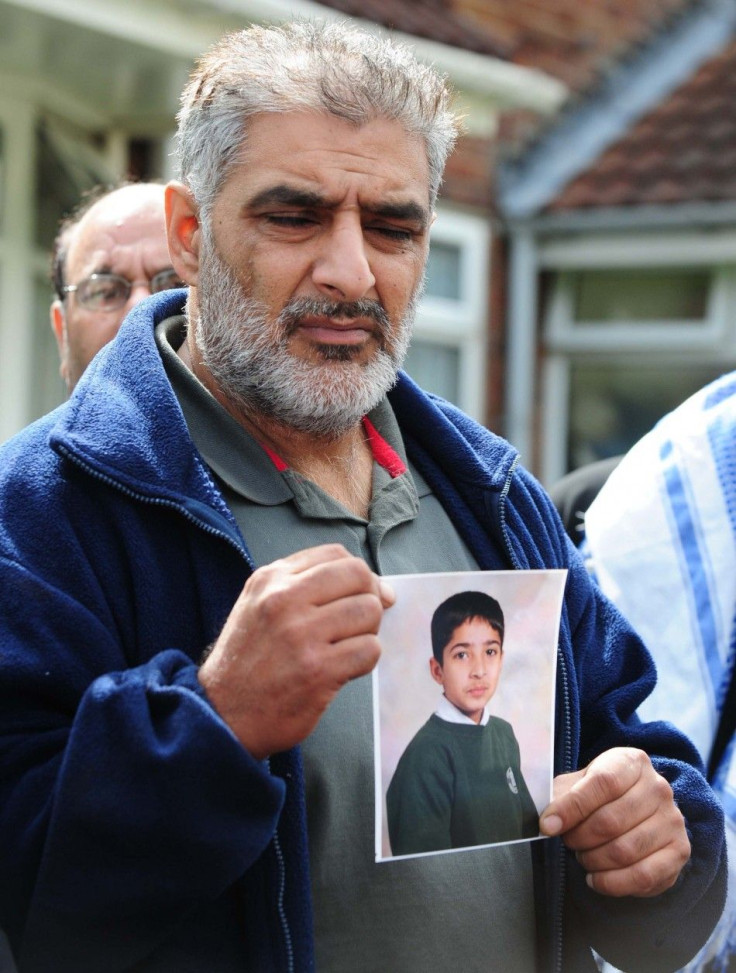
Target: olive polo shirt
(468, 910)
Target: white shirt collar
(448, 712)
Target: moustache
(300, 307)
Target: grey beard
(249, 358)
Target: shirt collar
(448, 712)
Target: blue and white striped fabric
(661, 542)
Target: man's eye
(393, 233)
(289, 220)
(103, 290)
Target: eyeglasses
(109, 292)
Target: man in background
(108, 255)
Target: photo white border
(532, 603)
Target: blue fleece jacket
(135, 832)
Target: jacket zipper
(557, 918)
(283, 918)
(155, 502)
(233, 542)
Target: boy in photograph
(459, 781)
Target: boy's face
(471, 666)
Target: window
(622, 347)
(435, 367)
(444, 270)
(48, 389)
(614, 405)
(447, 351)
(636, 308)
(68, 163)
(3, 187)
(668, 294)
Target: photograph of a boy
(459, 781)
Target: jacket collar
(123, 421)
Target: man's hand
(301, 628)
(620, 817)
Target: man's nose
(139, 289)
(342, 269)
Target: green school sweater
(458, 785)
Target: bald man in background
(108, 255)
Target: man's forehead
(122, 205)
(120, 215)
(393, 204)
(327, 156)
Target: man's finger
(323, 575)
(286, 570)
(646, 878)
(348, 617)
(627, 849)
(605, 779)
(358, 656)
(328, 582)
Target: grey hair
(305, 66)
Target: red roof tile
(438, 20)
(683, 151)
(570, 39)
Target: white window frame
(462, 324)
(707, 340)
(22, 262)
(17, 119)
(563, 333)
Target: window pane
(434, 367)
(65, 169)
(443, 271)
(3, 187)
(611, 407)
(641, 295)
(48, 388)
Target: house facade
(89, 93)
(621, 239)
(523, 323)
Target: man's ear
(182, 230)
(56, 314)
(58, 326)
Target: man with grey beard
(191, 562)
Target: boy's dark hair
(460, 608)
